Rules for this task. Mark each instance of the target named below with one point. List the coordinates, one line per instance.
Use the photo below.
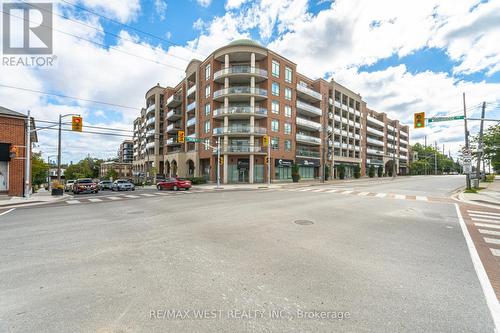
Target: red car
(174, 183)
(85, 185)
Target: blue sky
(402, 57)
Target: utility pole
(268, 161)
(393, 151)
(59, 151)
(323, 161)
(480, 145)
(218, 162)
(467, 175)
(27, 156)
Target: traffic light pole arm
(61, 116)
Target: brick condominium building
(243, 92)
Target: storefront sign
(279, 162)
(307, 162)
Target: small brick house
(13, 135)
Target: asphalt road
(148, 265)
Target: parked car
(85, 185)
(69, 185)
(174, 183)
(122, 185)
(105, 185)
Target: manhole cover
(303, 222)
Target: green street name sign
(188, 139)
(437, 119)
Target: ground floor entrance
(4, 176)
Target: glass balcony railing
(308, 138)
(150, 133)
(191, 122)
(234, 110)
(239, 130)
(307, 153)
(309, 108)
(173, 127)
(191, 106)
(174, 100)
(375, 121)
(240, 70)
(374, 152)
(308, 91)
(150, 121)
(191, 90)
(242, 90)
(375, 141)
(176, 113)
(150, 145)
(242, 149)
(372, 130)
(151, 108)
(308, 123)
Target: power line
(127, 26)
(100, 44)
(88, 126)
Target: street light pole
(218, 162)
(27, 156)
(61, 116)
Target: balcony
(375, 121)
(309, 109)
(150, 133)
(403, 141)
(307, 153)
(337, 104)
(374, 161)
(239, 149)
(173, 128)
(191, 107)
(174, 114)
(191, 90)
(308, 139)
(390, 138)
(307, 93)
(403, 149)
(301, 122)
(403, 157)
(240, 93)
(151, 108)
(375, 142)
(240, 130)
(373, 131)
(191, 122)
(174, 100)
(375, 152)
(240, 74)
(150, 145)
(241, 112)
(172, 142)
(150, 121)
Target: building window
(275, 107)
(207, 143)
(275, 125)
(276, 89)
(288, 145)
(207, 126)
(207, 72)
(288, 128)
(207, 109)
(288, 93)
(288, 111)
(288, 74)
(207, 91)
(275, 143)
(276, 68)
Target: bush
(490, 178)
(197, 180)
(380, 171)
(327, 173)
(57, 184)
(371, 171)
(357, 171)
(341, 170)
(295, 173)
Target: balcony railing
(374, 131)
(151, 108)
(239, 130)
(191, 90)
(403, 141)
(174, 114)
(307, 153)
(240, 70)
(403, 149)
(308, 123)
(242, 90)
(191, 122)
(174, 100)
(150, 145)
(375, 121)
(308, 138)
(191, 106)
(375, 141)
(150, 133)
(172, 142)
(374, 161)
(150, 121)
(173, 127)
(242, 149)
(309, 108)
(235, 110)
(308, 91)
(374, 152)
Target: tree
(491, 146)
(430, 159)
(39, 169)
(341, 170)
(371, 171)
(357, 171)
(380, 171)
(86, 168)
(112, 174)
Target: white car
(123, 185)
(69, 185)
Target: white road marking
(332, 191)
(73, 202)
(318, 190)
(381, 195)
(131, 196)
(421, 198)
(400, 196)
(347, 192)
(305, 189)
(484, 220)
(363, 193)
(484, 225)
(485, 216)
(162, 193)
(495, 252)
(484, 213)
(7, 212)
(489, 293)
(113, 198)
(95, 200)
(147, 195)
(492, 240)
(489, 232)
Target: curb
(460, 198)
(33, 203)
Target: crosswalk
(488, 225)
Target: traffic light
(267, 159)
(76, 123)
(14, 152)
(221, 160)
(180, 137)
(419, 120)
(265, 141)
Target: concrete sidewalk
(39, 198)
(488, 197)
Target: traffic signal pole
(480, 145)
(218, 162)
(268, 162)
(467, 175)
(59, 151)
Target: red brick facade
(13, 132)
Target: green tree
(341, 170)
(39, 169)
(112, 174)
(357, 171)
(86, 168)
(491, 146)
(371, 171)
(380, 171)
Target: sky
(401, 56)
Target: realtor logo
(27, 28)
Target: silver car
(69, 185)
(123, 185)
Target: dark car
(105, 185)
(85, 185)
(174, 183)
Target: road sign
(191, 139)
(467, 168)
(437, 119)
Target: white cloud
(124, 11)
(161, 9)
(204, 3)
(234, 4)
(199, 24)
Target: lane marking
(485, 220)
(305, 189)
(489, 293)
(113, 198)
(485, 216)
(7, 212)
(95, 200)
(489, 232)
(421, 198)
(318, 190)
(347, 192)
(484, 225)
(400, 196)
(147, 195)
(381, 195)
(480, 212)
(73, 202)
(131, 196)
(363, 193)
(495, 252)
(162, 193)
(332, 191)
(492, 241)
